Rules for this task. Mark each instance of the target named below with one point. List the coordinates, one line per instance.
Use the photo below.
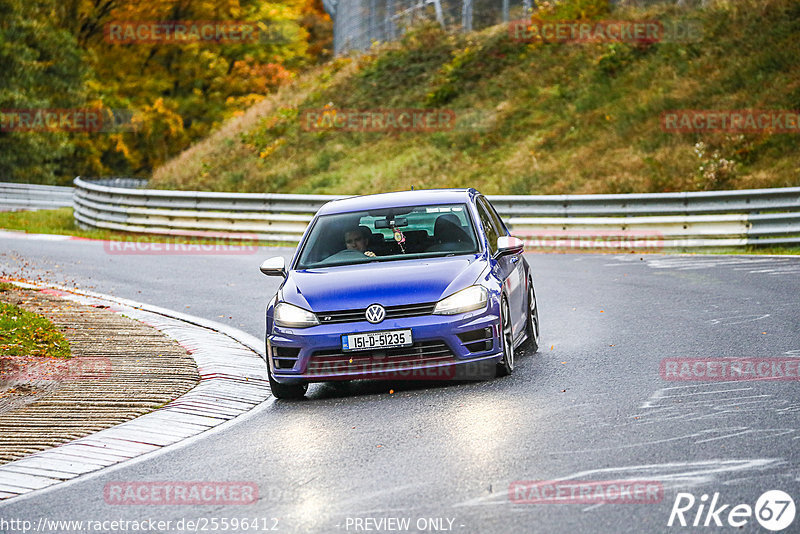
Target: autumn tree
(42, 67)
(60, 53)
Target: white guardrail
(24, 197)
(614, 222)
(634, 221)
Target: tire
(506, 365)
(532, 328)
(286, 391)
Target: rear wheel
(286, 391)
(532, 343)
(506, 365)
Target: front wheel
(286, 391)
(506, 365)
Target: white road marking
(769, 265)
(740, 319)
(778, 432)
(671, 475)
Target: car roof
(398, 199)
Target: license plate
(377, 340)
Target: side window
(498, 222)
(484, 213)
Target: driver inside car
(357, 239)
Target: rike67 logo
(774, 510)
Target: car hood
(387, 283)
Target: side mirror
(274, 267)
(508, 245)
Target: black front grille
(336, 361)
(392, 312)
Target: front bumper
(446, 347)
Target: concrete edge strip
(18, 234)
(230, 364)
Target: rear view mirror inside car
(391, 223)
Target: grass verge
(23, 333)
(61, 222)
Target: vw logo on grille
(375, 313)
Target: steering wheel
(346, 254)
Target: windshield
(388, 234)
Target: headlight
(472, 298)
(292, 316)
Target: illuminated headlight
(292, 316)
(472, 298)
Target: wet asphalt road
(591, 405)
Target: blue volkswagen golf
(411, 285)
